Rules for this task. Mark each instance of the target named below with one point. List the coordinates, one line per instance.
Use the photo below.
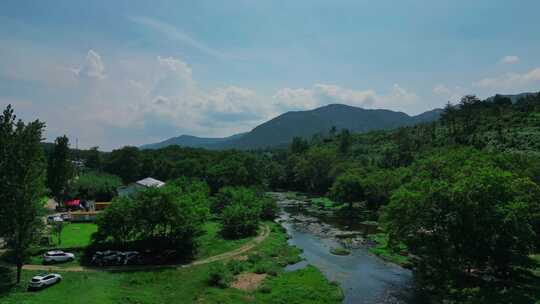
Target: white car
(53, 219)
(44, 280)
(58, 256)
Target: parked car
(131, 258)
(107, 258)
(57, 256)
(66, 216)
(44, 280)
(52, 219)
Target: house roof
(150, 182)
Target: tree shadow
(7, 282)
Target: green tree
(345, 141)
(348, 188)
(95, 186)
(59, 170)
(239, 221)
(472, 217)
(299, 145)
(168, 217)
(94, 160)
(57, 229)
(125, 163)
(313, 170)
(21, 184)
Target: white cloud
(323, 94)
(177, 66)
(512, 81)
(92, 67)
(451, 93)
(510, 59)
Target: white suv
(57, 257)
(44, 280)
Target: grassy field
(75, 235)
(189, 285)
(212, 243)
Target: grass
(324, 202)
(187, 285)
(382, 250)
(75, 235)
(306, 285)
(212, 243)
(340, 251)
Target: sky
(127, 72)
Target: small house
(138, 185)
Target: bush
(269, 208)
(219, 276)
(236, 266)
(254, 258)
(239, 221)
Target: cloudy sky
(114, 73)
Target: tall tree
(59, 170)
(125, 162)
(345, 141)
(21, 184)
(94, 160)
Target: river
(364, 278)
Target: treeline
(217, 168)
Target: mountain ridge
(280, 130)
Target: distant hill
(281, 130)
(514, 97)
(192, 141)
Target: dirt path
(224, 256)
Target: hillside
(281, 130)
(191, 141)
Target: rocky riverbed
(363, 277)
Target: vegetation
(95, 186)
(168, 218)
(59, 169)
(189, 285)
(457, 198)
(76, 235)
(340, 251)
(241, 209)
(21, 184)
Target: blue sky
(114, 73)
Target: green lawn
(189, 285)
(75, 235)
(212, 243)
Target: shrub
(254, 258)
(239, 221)
(219, 276)
(269, 208)
(236, 266)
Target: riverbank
(364, 277)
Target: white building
(138, 185)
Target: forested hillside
(279, 131)
(461, 194)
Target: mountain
(191, 141)
(280, 130)
(514, 97)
